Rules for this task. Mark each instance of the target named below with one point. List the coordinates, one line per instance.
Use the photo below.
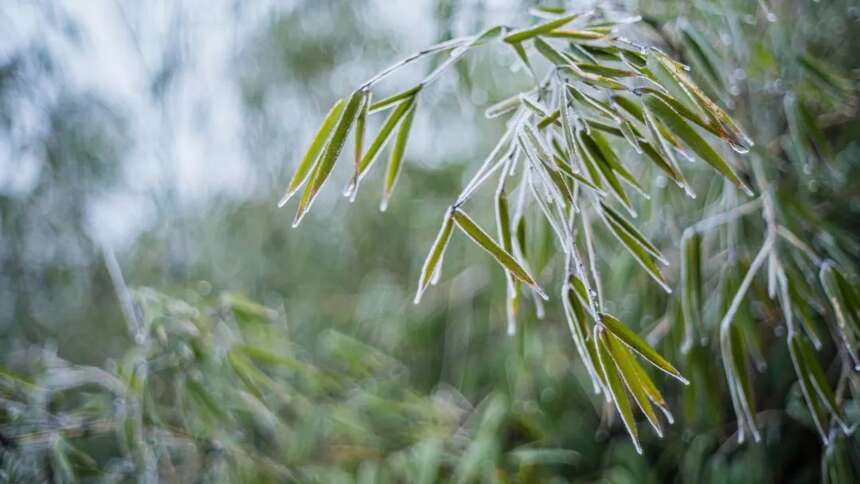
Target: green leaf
(477, 234)
(677, 126)
(818, 378)
(390, 101)
(605, 71)
(550, 52)
(606, 170)
(627, 368)
(518, 36)
(319, 141)
(395, 162)
(378, 142)
(504, 106)
(434, 259)
(619, 396)
(639, 252)
(664, 150)
(691, 284)
(739, 141)
(566, 170)
(360, 124)
(625, 225)
(810, 395)
(740, 373)
(841, 300)
(577, 34)
(614, 162)
(524, 57)
(330, 155)
(639, 345)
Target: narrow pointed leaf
(317, 144)
(530, 32)
(384, 132)
(626, 367)
(740, 141)
(638, 251)
(818, 378)
(677, 125)
(631, 230)
(810, 394)
(619, 395)
(395, 162)
(360, 124)
(330, 155)
(434, 259)
(390, 101)
(477, 234)
(741, 375)
(691, 284)
(639, 345)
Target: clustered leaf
(568, 141)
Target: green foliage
(751, 297)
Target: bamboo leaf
(395, 162)
(437, 251)
(691, 284)
(550, 52)
(330, 155)
(566, 170)
(631, 230)
(614, 162)
(518, 36)
(477, 234)
(378, 142)
(577, 34)
(677, 125)
(505, 106)
(662, 148)
(655, 156)
(842, 305)
(638, 251)
(606, 170)
(813, 402)
(619, 396)
(627, 368)
(740, 372)
(606, 71)
(317, 144)
(390, 101)
(524, 57)
(738, 140)
(360, 124)
(819, 379)
(639, 345)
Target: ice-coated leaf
(437, 253)
(679, 127)
(477, 234)
(518, 36)
(330, 154)
(639, 345)
(312, 155)
(629, 373)
(395, 162)
(616, 387)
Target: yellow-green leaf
(329, 155)
(311, 156)
(395, 162)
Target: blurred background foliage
(157, 137)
